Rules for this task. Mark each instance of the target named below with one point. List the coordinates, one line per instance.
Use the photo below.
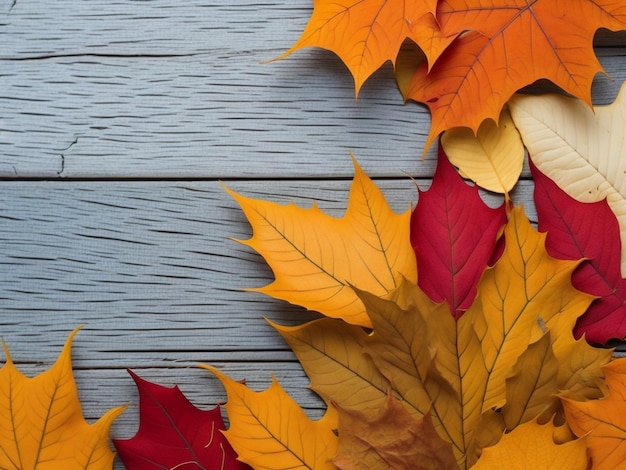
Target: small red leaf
(454, 235)
(588, 230)
(173, 433)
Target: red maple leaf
(589, 231)
(454, 235)
(173, 433)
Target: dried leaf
(316, 258)
(173, 433)
(432, 362)
(332, 355)
(510, 44)
(42, 420)
(531, 446)
(454, 235)
(603, 421)
(270, 431)
(391, 438)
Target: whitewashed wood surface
(117, 120)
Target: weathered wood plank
(148, 267)
(165, 89)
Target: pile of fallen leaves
(454, 335)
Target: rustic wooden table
(118, 119)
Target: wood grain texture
(125, 114)
(150, 270)
(168, 89)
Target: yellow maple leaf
(316, 258)
(603, 421)
(42, 421)
(516, 297)
(532, 446)
(269, 431)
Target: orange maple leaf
(603, 421)
(510, 44)
(367, 33)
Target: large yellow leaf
(42, 424)
(531, 446)
(603, 421)
(316, 258)
(493, 157)
(533, 387)
(270, 431)
(582, 150)
(331, 354)
(520, 293)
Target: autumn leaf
(510, 44)
(316, 258)
(493, 157)
(42, 420)
(270, 431)
(603, 421)
(531, 446)
(367, 33)
(391, 438)
(332, 355)
(454, 235)
(577, 230)
(581, 150)
(173, 433)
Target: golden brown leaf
(432, 362)
(531, 446)
(316, 258)
(269, 431)
(391, 438)
(532, 387)
(332, 355)
(42, 421)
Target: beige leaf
(581, 150)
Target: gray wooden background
(118, 119)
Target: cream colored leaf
(493, 158)
(581, 150)
(317, 258)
